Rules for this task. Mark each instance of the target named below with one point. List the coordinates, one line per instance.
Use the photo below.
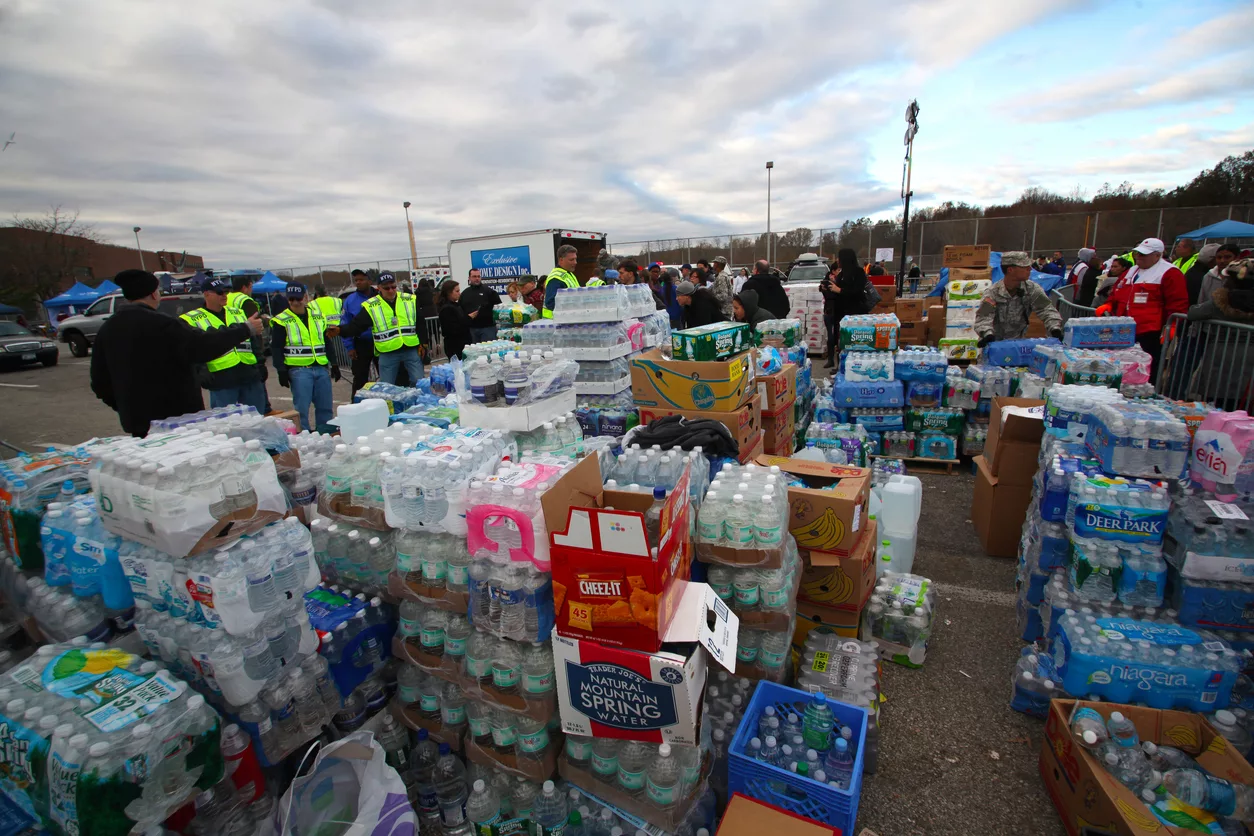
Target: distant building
(68, 259)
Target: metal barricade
(1209, 360)
(1062, 298)
(434, 340)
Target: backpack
(870, 296)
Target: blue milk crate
(785, 789)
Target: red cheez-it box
(606, 584)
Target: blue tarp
(79, 296)
(1047, 281)
(1223, 229)
(269, 283)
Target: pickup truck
(80, 330)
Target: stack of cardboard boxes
(970, 277)
(806, 304)
(1004, 473)
(913, 329)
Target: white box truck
(505, 258)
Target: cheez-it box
(612, 584)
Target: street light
(141, 250)
(413, 249)
(912, 128)
(769, 165)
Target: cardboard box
(606, 584)
(1013, 446)
(777, 430)
(608, 691)
(815, 617)
(998, 511)
(840, 583)
(755, 448)
(966, 274)
(1036, 328)
(912, 333)
(910, 310)
(966, 255)
(778, 388)
(743, 423)
(935, 324)
(1090, 800)
(717, 341)
(828, 520)
(749, 817)
(888, 296)
(720, 386)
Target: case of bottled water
(879, 419)
(1099, 332)
(1214, 605)
(177, 490)
(1138, 440)
(838, 444)
(1081, 366)
(1163, 665)
(1067, 408)
(1035, 682)
(742, 521)
(606, 303)
(840, 392)
(945, 419)
(601, 341)
(872, 332)
(27, 484)
(994, 381)
(932, 444)
(961, 392)
(925, 393)
(973, 438)
(1211, 540)
(899, 616)
(780, 333)
(1014, 353)
(868, 366)
(235, 421)
(898, 444)
(1028, 385)
(920, 363)
(108, 760)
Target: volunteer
(143, 362)
(361, 352)
(1003, 312)
(235, 376)
(241, 296)
(330, 306)
(562, 276)
(298, 346)
(393, 318)
(1185, 253)
(1150, 293)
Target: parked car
(19, 346)
(80, 330)
(807, 267)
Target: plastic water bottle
(605, 759)
(818, 723)
(663, 780)
(449, 777)
(1215, 795)
(632, 762)
(653, 517)
(839, 764)
(549, 810)
(483, 807)
(738, 527)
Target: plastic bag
(349, 790)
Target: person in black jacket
(771, 295)
(700, 306)
(479, 297)
(454, 321)
(143, 363)
(846, 288)
(745, 308)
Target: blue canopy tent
(1047, 281)
(1223, 229)
(106, 287)
(73, 300)
(269, 283)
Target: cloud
(266, 133)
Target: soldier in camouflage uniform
(1003, 313)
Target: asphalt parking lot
(954, 759)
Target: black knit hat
(136, 284)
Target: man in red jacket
(1150, 293)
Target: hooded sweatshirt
(753, 314)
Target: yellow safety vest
(565, 277)
(595, 283)
(1184, 264)
(393, 328)
(207, 320)
(331, 307)
(305, 345)
(236, 299)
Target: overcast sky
(280, 133)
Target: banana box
(831, 582)
(708, 386)
(829, 515)
(1091, 800)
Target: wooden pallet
(930, 465)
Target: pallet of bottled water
(606, 303)
(833, 737)
(1013, 353)
(1137, 439)
(109, 743)
(1160, 664)
(742, 520)
(1099, 332)
(899, 615)
(593, 341)
(846, 670)
(1067, 408)
(178, 491)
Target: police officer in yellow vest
(298, 346)
(330, 306)
(562, 276)
(393, 318)
(237, 376)
(241, 295)
(611, 277)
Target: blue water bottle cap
(444, 748)
(659, 493)
(819, 698)
(423, 734)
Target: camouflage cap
(1016, 258)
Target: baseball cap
(1149, 245)
(216, 286)
(656, 264)
(295, 291)
(387, 278)
(720, 259)
(685, 289)
(686, 267)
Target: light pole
(141, 250)
(912, 128)
(413, 250)
(769, 165)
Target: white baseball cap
(1149, 245)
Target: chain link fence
(1109, 232)
(337, 278)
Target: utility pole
(770, 164)
(140, 249)
(413, 250)
(912, 128)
